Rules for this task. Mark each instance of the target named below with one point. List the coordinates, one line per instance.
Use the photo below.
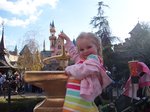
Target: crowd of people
(14, 83)
(2, 80)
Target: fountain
(52, 82)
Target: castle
(56, 49)
(56, 46)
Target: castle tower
(44, 45)
(59, 46)
(16, 50)
(52, 37)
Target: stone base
(48, 109)
(50, 105)
(53, 83)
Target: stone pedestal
(54, 85)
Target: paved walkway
(26, 95)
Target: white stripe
(72, 89)
(71, 77)
(70, 109)
(74, 84)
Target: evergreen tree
(101, 23)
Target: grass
(19, 104)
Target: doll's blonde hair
(96, 40)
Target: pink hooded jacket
(91, 73)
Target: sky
(32, 17)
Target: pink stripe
(126, 93)
(128, 89)
(144, 84)
(73, 86)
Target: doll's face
(86, 47)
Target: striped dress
(73, 102)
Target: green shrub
(19, 104)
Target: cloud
(21, 22)
(25, 7)
(30, 9)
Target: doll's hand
(64, 36)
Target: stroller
(136, 93)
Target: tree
(25, 59)
(101, 23)
(37, 64)
(29, 56)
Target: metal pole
(9, 96)
(9, 73)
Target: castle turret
(59, 46)
(52, 37)
(44, 45)
(16, 50)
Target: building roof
(136, 28)
(4, 60)
(2, 49)
(45, 54)
(25, 48)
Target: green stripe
(73, 93)
(78, 101)
(80, 108)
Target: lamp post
(9, 73)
